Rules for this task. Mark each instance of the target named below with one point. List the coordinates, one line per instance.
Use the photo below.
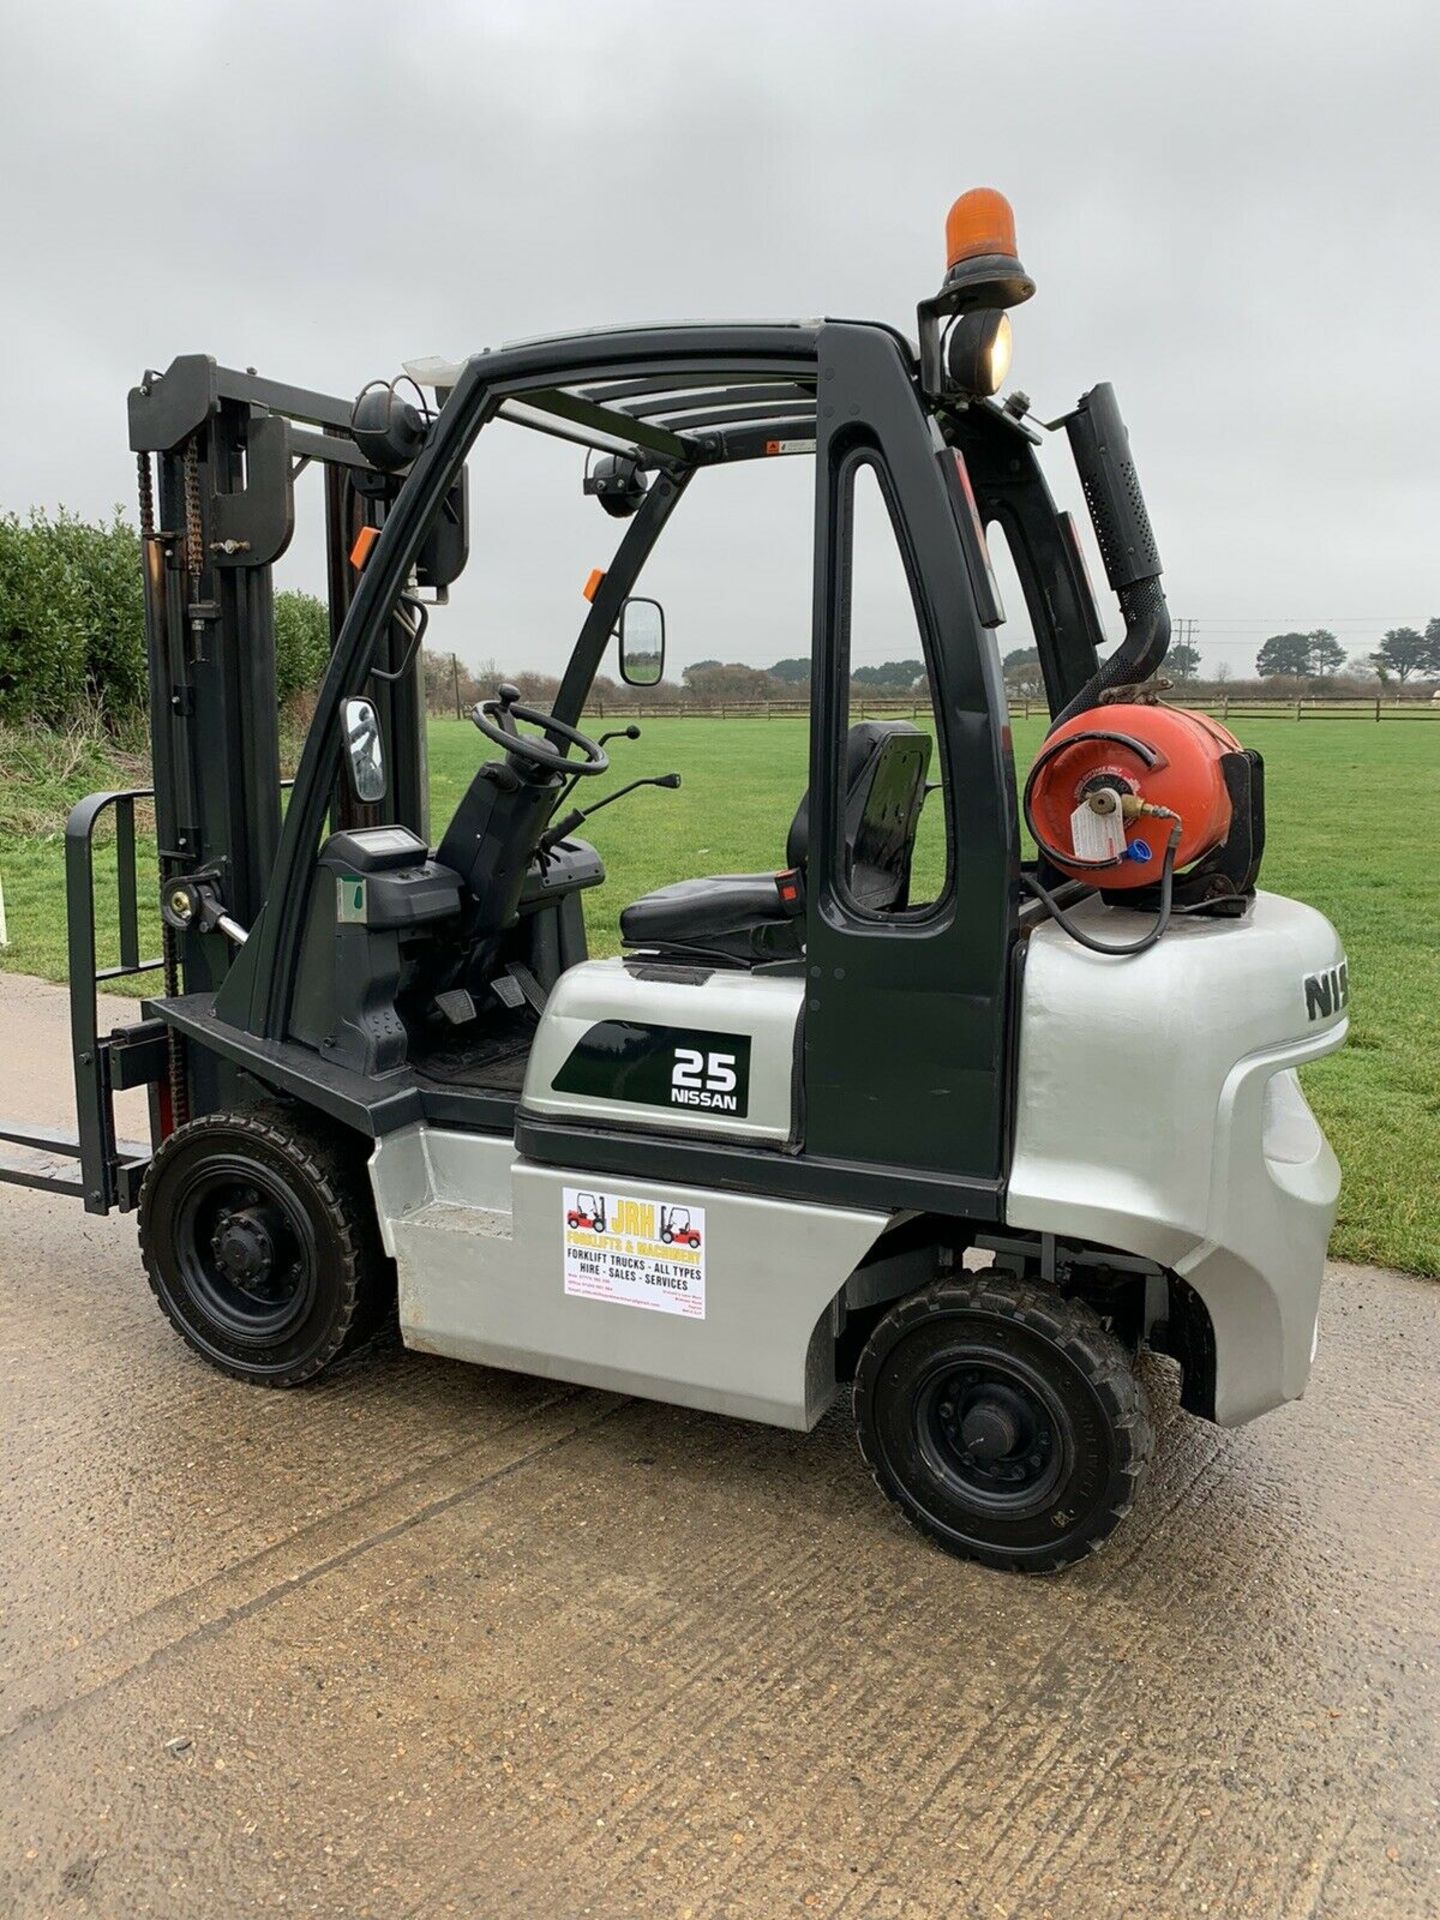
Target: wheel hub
(247, 1254)
(989, 1433)
(244, 1247)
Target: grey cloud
(1229, 211)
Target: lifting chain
(194, 531)
(175, 1073)
(176, 1076)
(147, 497)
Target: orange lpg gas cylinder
(1109, 786)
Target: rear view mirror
(364, 751)
(642, 642)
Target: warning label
(635, 1253)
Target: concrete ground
(427, 1639)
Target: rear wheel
(1003, 1421)
(260, 1240)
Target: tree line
(1403, 654)
(452, 687)
(72, 645)
(1288, 665)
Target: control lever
(566, 825)
(632, 732)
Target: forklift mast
(218, 455)
(229, 447)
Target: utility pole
(455, 679)
(1184, 631)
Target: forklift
(968, 1157)
(677, 1228)
(588, 1213)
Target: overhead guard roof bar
(687, 386)
(718, 396)
(519, 414)
(737, 416)
(656, 429)
(612, 421)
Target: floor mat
(494, 1057)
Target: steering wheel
(496, 720)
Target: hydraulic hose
(1126, 948)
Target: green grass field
(1351, 812)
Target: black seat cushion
(734, 916)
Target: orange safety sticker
(364, 543)
(592, 585)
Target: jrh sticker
(635, 1253)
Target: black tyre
(260, 1239)
(1003, 1421)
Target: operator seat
(742, 918)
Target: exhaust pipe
(1101, 447)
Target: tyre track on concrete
(1057, 1837)
(786, 1651)
(689, 1699)
(1178, 1835)
(189, 1618)
(931, 1769)
(922, 1800)
(819, 1610)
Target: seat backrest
(886, 762)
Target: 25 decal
(706, 1080)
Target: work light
(977, 352)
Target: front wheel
(260, 1239)
(1003, 1421)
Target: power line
(1308, 624)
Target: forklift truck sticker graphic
(586, 1210)
(635, 1263)
(381, 1061)
(677, 1228)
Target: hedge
(72, 623)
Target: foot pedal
(456, 1005)
(508, 992)
(529, 986)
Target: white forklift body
(1159, 1112)
(489, 1270)
(1158, 1115)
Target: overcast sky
(1230, 210)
